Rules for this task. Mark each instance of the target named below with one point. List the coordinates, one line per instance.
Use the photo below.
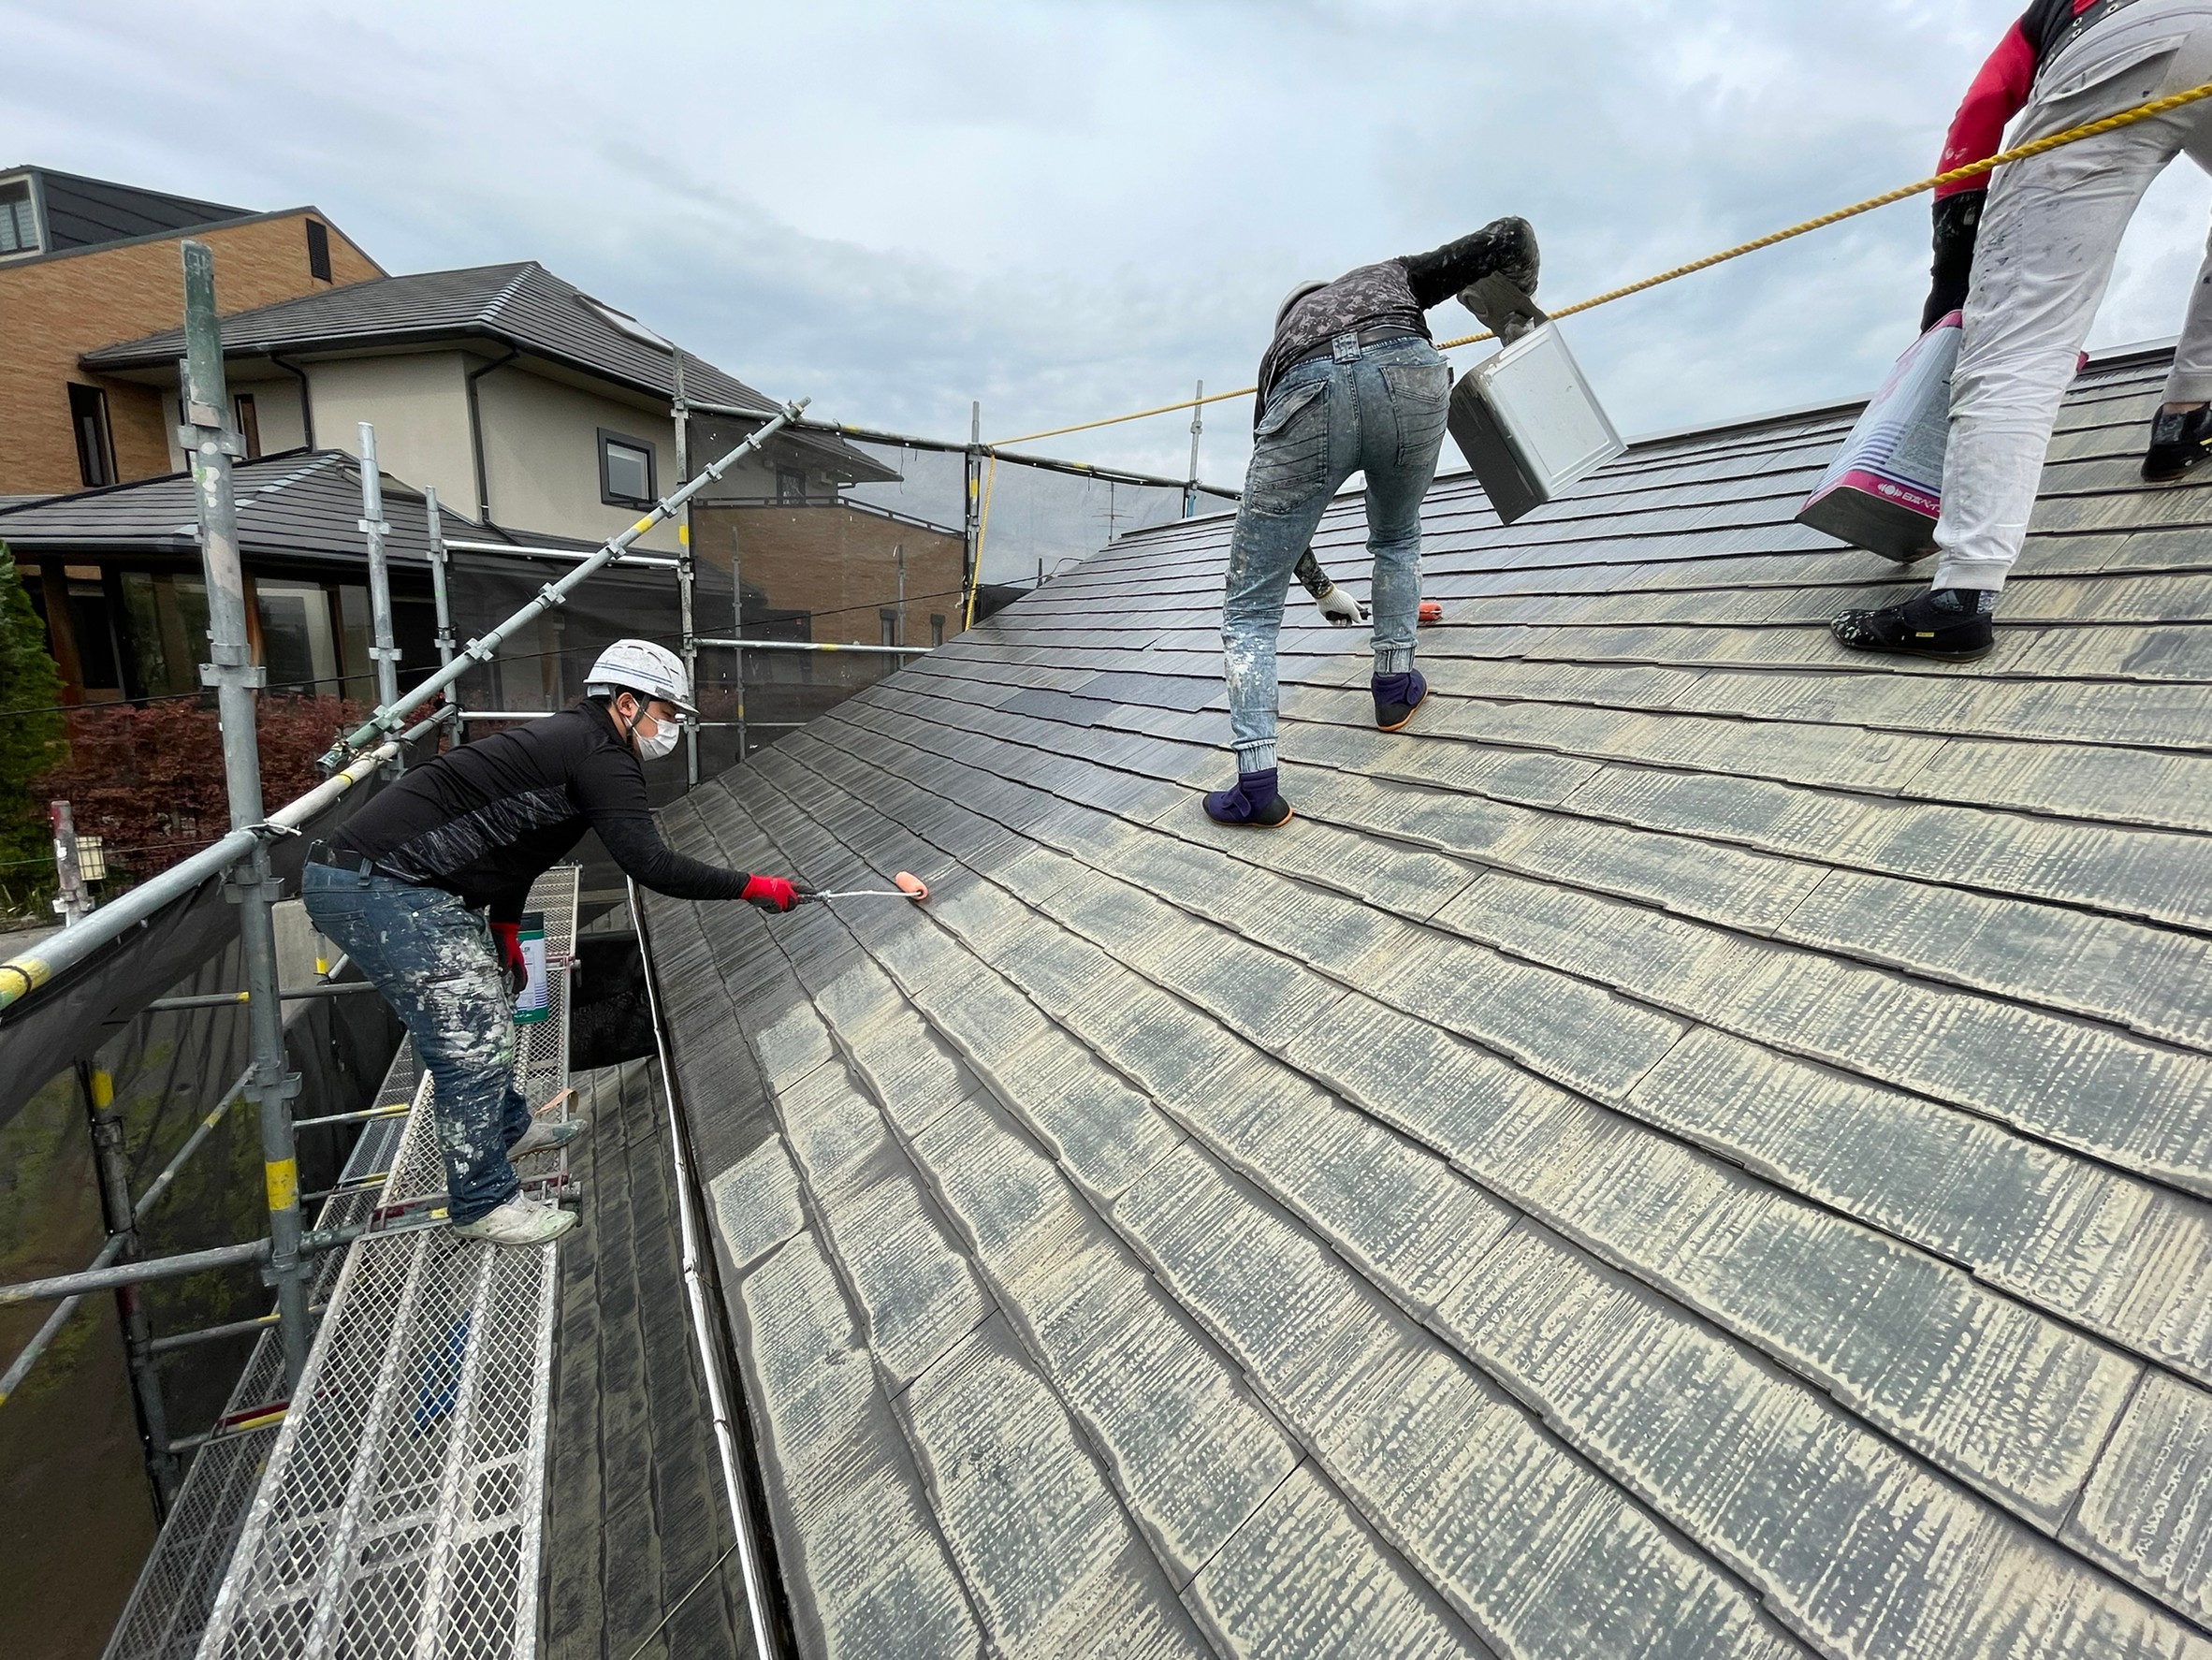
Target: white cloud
(1069, 211)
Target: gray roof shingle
(301, 505)
(1697, 1147)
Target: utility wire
(2109, 123)
(712, 1568)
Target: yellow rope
(1972, 170)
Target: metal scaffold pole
(111, 1164)
(737, 627)
(1197, 425)
(210, 443)
(439, 594)
(972, 524)
(374, 528)
(684, 570)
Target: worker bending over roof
(404, 886)
(2030, 266)
(1350, 382)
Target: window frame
(35, 197)
(937, 629)
(790, 498)
(888, 616)
(247, 414)
(607, 435)
(318, 252)
(90, 402)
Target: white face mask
(661, 743)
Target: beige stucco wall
(541, 452)
(420, 405)
(276, 404)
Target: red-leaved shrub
(149, 781)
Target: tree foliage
(31, 734)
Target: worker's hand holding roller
(775, 892)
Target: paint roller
(904, 885)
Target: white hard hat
(642, 667)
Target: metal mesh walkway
(400, 1510)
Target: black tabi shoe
(1949, 624)
(1396, 696)
(2179, 441)
(1253, 801)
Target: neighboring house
(84, 262)
(859, 573)
(521, 399)
(116, 577)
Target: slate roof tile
(1696, 1147)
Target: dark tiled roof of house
(299, 504)
(1698, 1147)
(82, 212)
(524, 306)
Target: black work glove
(1958, 225)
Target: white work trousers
(2049, 233)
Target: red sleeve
(1998, 94)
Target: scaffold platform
(395, 1507)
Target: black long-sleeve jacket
(487, 819)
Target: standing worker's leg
(1405, 393)
(1292, 475)
(2042, 263)
(2181, 431)
(432, 960)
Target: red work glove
(773, 892)
(507, 939)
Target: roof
(524, 306)
(297, 505)
(81, 212)
(1697, 1147)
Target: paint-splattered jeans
(432, 957)
(1378, 409)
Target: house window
(625, 471)
(19, 220)
(936, 628)
(95, 445)
(298, 646)
(890, 621)
(791, 487)
(318, 250)
(249, 424)
(92, 622)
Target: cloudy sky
(1071, 210)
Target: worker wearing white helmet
(423, 889)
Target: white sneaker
(519, 1222)
(543, 1135)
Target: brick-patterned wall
(57, 308)
(838, 563)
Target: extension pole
(110, 1162)
(376, 530)
(392, 717)
(207, 437)
(439, 595)
(683, 570)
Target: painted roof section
(299, 504)
(1698, 1147)
(81, 212)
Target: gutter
(307, 408)
(739, 1480)
(476, 432)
